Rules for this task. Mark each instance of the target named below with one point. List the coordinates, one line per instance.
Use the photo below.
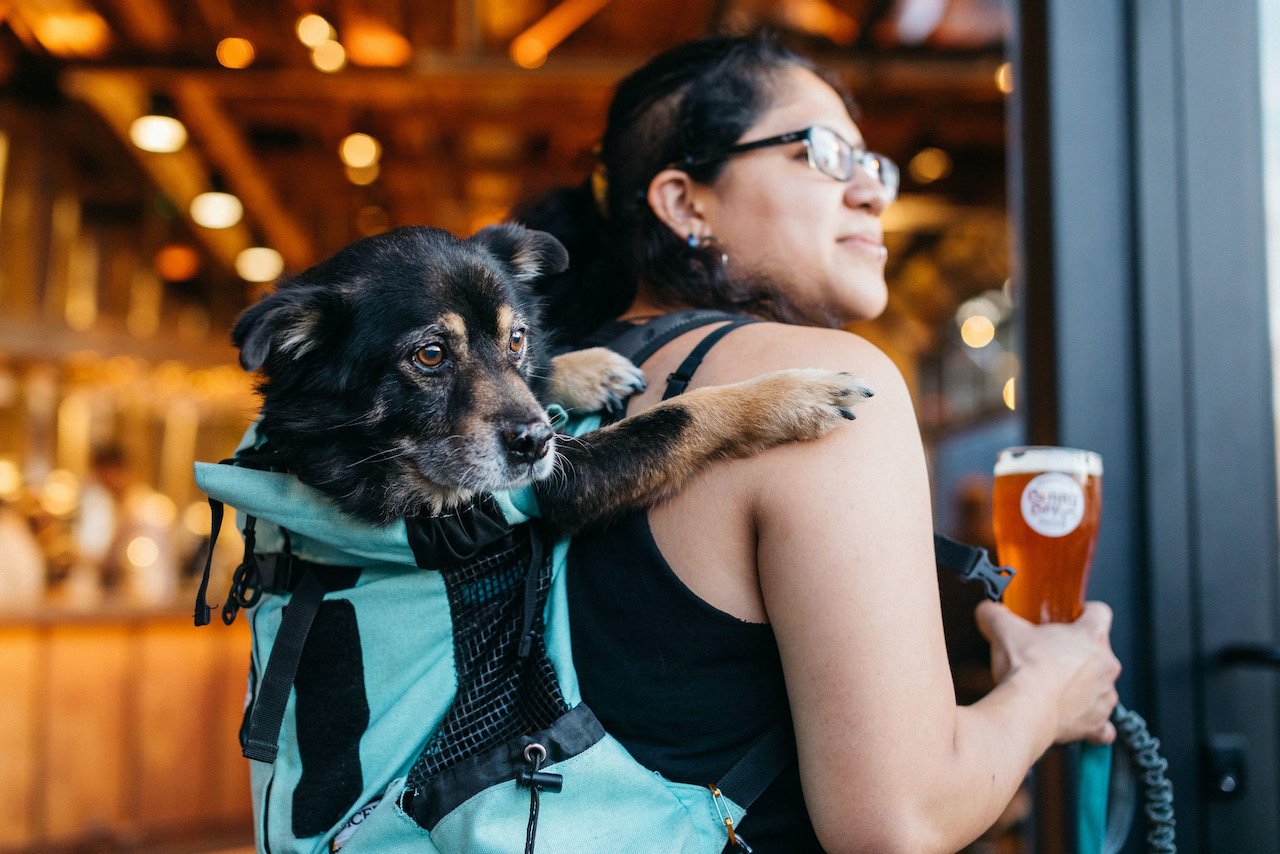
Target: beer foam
(1036, 459)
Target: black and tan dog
(407, 374)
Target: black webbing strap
(640, 342)
(972, 564)
(678, 380)
(282, 667)
(203, 611)
(760, 765)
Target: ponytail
(591, 291)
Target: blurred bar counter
(118, 731)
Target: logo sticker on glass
(1053, 504)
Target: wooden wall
(121, 727)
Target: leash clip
(736, 844)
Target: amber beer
(1047, 503)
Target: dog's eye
(429, 356)
(517, 340)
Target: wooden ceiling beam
(495, 81)
(232, 156)
(181, 175)
(149, 23)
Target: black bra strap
(678, 380)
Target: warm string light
(329, 56)
(373, 44)
(176, 262)
(259, 264)
(216, 210)
(977, 331)
(929, 165)
(313, 30)
(359, 150)
(234, 52)
(158, 134)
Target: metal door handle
(1225, 754)
(1249, 655)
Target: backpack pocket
(607, 802)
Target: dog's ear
(528, 253)
(291, 321)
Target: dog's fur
(407, 374)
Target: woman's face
(818, 239)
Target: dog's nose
(527, 442)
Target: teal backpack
(411, 686)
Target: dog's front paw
(802, 403)
(593, 379)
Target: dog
(408, 374)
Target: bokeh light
(235, 52)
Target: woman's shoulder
(882, 444)
(761, 347)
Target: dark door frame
(1136, 174)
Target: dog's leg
(592, 379)
(641, 460)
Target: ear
(672, 197)
(528, 253)
(290, 321)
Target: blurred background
(1054, 277)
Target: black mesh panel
(500, 695)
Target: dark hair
(687, 104)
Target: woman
(799, 582)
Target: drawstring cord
(536, 780)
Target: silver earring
(696, 242)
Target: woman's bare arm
(845, 557)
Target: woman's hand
(1075, 658)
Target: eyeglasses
(829, 153)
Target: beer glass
(1047, 503)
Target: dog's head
(397, 373)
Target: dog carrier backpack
(411, 686)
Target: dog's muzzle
(527, 443)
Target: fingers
(1098, 617)
(1106, 735)
(995, 620)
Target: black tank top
(687, 688)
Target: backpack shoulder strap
(760, 765)
(641, 342)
